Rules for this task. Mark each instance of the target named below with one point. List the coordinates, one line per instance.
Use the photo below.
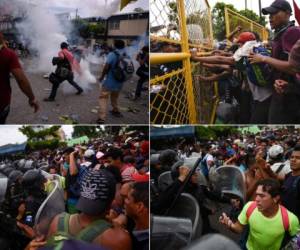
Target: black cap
(97, 191)
(114, 153)
(277, 6)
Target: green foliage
(253, 16)
(38, 140)
(45, 144)
(96, 29)
(89, 131)
(39, 135)
(218, 16)
(213, 132)
(173, 14)
(86, 29)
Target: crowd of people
(264, 208)
(118, 68)
(253, 78)
(105, 186)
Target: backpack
(123, 68)
(287, 239)
(258, 72)
(88, 234)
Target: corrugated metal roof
(13, 148)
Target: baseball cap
(99, 155)
(68, 150)
(97, 190)
(89, 153)
(145, 147)
(275, 150)
(245, 37)
(114, 153)
(140, 177)
(277, 6)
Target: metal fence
(177, 95)
(233, 19)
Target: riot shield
(3, 187)
(230, 180)
(189, 162)
(54, 204)
(168, 233)
(187, 207)
(164, 180)
(28, 165)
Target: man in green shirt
(267, 220)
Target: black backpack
(123, 68)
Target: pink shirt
(64, 53)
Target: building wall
(128, 27)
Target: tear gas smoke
(42, 32)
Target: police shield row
(77, 194)
(256, 179)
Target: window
(114, 25)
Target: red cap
(246, 37)
(145, 148)
(140, 177)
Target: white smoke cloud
(88, 8)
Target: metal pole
(245, 4)
(259, 4)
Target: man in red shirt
(9, 63)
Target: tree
(218, 16)
(253, 16)
(214, 132)
(96, 29)
(89, 131)
(41, 138)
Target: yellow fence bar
(246, 23)
(178, 96)
(186, 62)
(158, 58)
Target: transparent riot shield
(28, 165)
(190, 162)
(168, 233)
(230, 180)
(187, 207)
(54, 204)
(3, 187)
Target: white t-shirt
(284, 171)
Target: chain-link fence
(233, 19)
(177, 95)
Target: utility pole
(259, 4)
(76, 14)
(246, 4)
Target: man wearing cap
(284, 107)
(81, 170)
(96, 196)
(9, 63)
